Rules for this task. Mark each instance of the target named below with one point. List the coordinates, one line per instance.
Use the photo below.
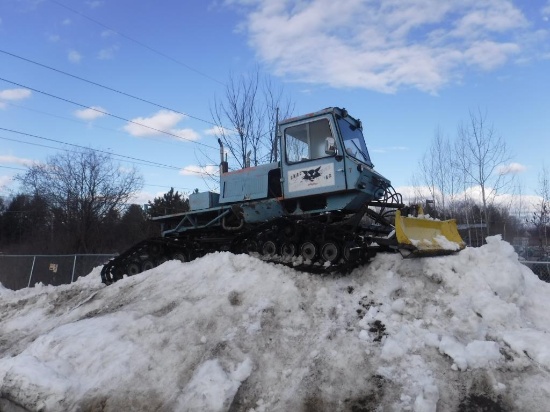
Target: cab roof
(341, 112)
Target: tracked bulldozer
(321, 208)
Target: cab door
(308, 167)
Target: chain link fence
(22, 271)
(541, 269)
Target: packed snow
(437, 242)
(229, 332)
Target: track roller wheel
(162, 260)
(330, 252)
(308, 250)
(133, 268)
(269, 248)
(251, 246)
(289, 231)
(154, 250)
(179, 256)
(351, 252)
(118, 274)
(147, 264)
(288, 250)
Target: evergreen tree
(168, 204)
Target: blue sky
(404, 68)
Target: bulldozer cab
(354, 142)
(324, 155)
(310, 157)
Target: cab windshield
(354, 143)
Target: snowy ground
(231, 333)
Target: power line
(29, 143)
(137, 42)
(14, 168)
(68, 150)
(105, 87)
(146, 185)
(131, 159)
(168, 187)
(82, 122)
(134, 159)
(119, 92)
(105, 113)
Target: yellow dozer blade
(427, 237)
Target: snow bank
(468, 331)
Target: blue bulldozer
(321, 208)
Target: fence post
(32, 269)
(74, 264)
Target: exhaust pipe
(224, 166)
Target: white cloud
(15, 94)
(107, 33)
(389, 149)
(74, 56)
(199, 170)
(91, 113)
(186, 134)
(66, 22)
(164, 120)
(512, 168)
(5, 181)
(489, 55)
(513, 202)
(54, 38)
(494, 16)
(15, 160)
(142, 197)
(217, 131)
(414, 194)
(107, 53)
(383, 45)
(94, 3)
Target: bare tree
(277, 107)
(518, 205)
(246, 118)
(482, 156)
(438, 174)
(82, 189)
(541, 216)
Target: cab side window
(307, 141)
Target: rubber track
(197, 244)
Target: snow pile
(436, 243)
(226, 332)
(424, 217)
